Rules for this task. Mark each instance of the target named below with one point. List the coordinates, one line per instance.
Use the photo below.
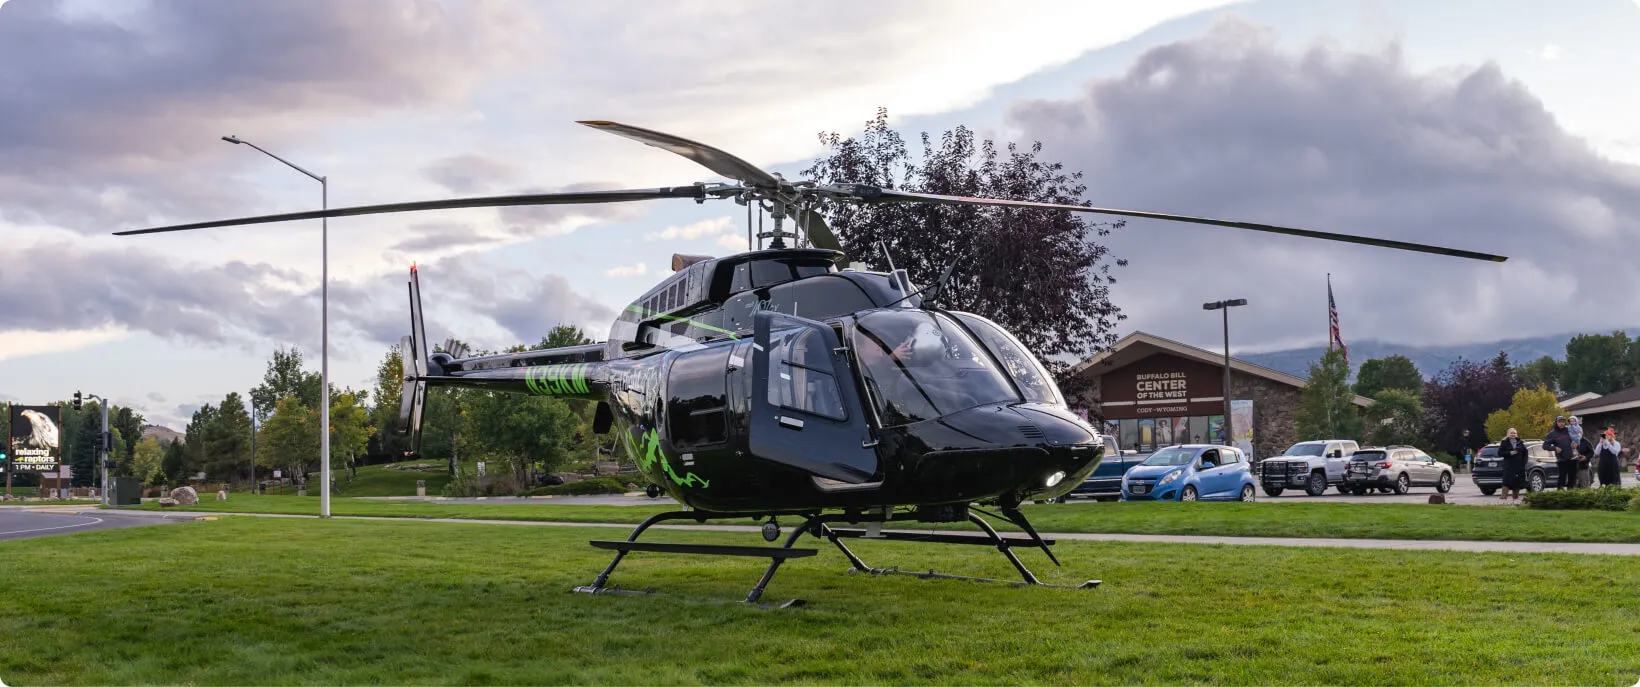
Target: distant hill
(1431, 360)
(165, 434)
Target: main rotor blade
(572, 198)
(888, 195)
(706, 156)
(820, 234)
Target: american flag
(1332, 316)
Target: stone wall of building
(1627, 424)
(1275, 412)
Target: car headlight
(1171, 476)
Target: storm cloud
(115, 117)
(1227, 126)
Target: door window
(801, 375)
(697, 403)
(1210, 456)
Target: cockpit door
(805, 409)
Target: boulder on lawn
(1437, 498)
(167, 502)
(185, 496)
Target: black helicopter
(779, 382)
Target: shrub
(596, 485)
(1602, 498)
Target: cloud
(1226, 126)
(627, 270)
(17, 343)
(706, 227)
(111, 117)
(62, 293)
(734, 242)
(470, 173)
(156, 397)
(1550, 52)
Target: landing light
(1055, 478)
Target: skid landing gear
(816, 524)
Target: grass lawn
(375, 480)
(1263, 519)
(259, 601)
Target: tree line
(1467, 405)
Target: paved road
(16, 523)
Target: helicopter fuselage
(821, 390)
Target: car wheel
(1488, 491)
(1189, 493)
(1343, 488)
(1445, 485)
(1402, 484)
(1535, 482)
(1359, 491)
(1385, 490)
(1273, 491)
(1316, 485)
(1247, 493)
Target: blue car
(1193, 472)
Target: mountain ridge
(1430, 360)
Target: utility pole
(1229, 425)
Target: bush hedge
(596, 485)
(1600, 498)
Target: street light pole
(102, 447)
(324, 328)
(1229, 426)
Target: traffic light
(108, 442)
(76, 400)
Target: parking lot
(1463, 491)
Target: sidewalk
(1522, 547)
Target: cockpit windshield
(918, 366)
(1034, 381)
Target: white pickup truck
(1310, 465)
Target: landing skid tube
(816, 525)
(1002, 544)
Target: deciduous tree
(1041, 274)
(1531, 412)
(1396, 417)
(1601, 363)
(1461, 397)
(148, 461)
(350, 430)
(1392, 372)
(1544, 372)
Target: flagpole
(1330, 307)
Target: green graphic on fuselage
(557, 380)
(650, 453)
(673, 318)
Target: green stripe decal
(673, 318)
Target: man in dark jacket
(1559, 442)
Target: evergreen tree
(1327, 406)
(84, 471)
(176, 458)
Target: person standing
(1513, 452)
(1559, 442)
(1607, 455)
(1585, 462)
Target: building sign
(1241, 422)
(1162, 386)
(35, 444)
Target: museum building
(1152, 392)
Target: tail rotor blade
(892, 196)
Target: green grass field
(267, 601)
(376, 480)
(1264, 519)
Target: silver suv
(1397, 469)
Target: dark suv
(1540, 468)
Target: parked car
(1541, 470)
(1396, 469)
(1105, 482)
(1310, 465)
(1192, 472)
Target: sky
(1502, 126)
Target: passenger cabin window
(766, 273)
(697, 407)
(801, 376)
(818, 299)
